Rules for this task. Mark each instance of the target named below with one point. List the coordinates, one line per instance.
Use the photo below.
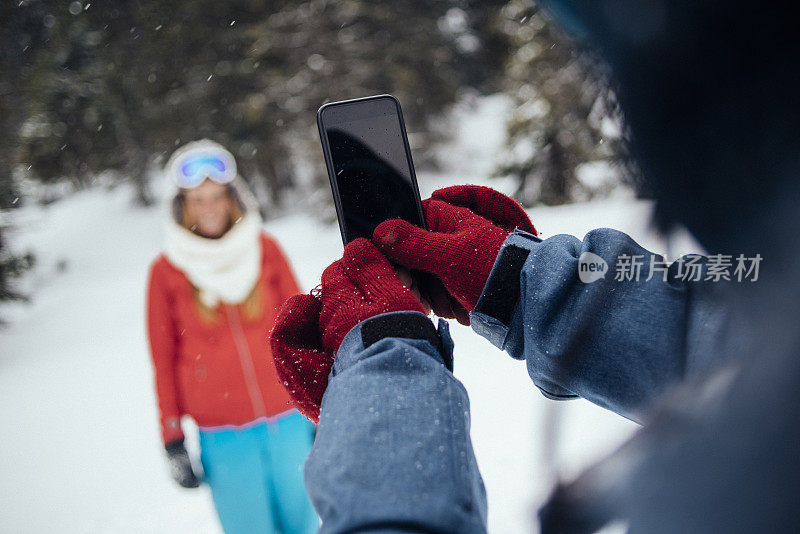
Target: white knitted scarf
(224, 269)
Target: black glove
(180, 467)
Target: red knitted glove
(467, 225)
(361, 285)
(309, 329)
(499, 209)
(302, 363)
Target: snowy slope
(80, 448)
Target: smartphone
(369, 164)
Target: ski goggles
(191, 170)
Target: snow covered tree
(12, 113)
(22, 32)
(118, 85)
(564, 116)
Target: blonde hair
(253, 306)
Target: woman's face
(208, 209)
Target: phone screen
(372, 170)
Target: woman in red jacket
(212, 300)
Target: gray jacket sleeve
(393, 451)
(602, 318)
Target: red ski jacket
(220, 372)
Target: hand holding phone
(405, 277)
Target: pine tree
(120, 85)
(564, 113)
(14, 48)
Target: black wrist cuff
(501, 294)
(409, 326)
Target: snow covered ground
(80, 449)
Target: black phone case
(326, 151)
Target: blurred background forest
(97, 93)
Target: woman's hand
(180, 467)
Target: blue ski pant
(256, 475)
